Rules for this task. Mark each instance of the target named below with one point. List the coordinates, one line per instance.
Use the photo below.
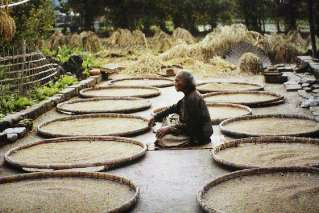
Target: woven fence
(23, 69)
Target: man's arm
(170, 110)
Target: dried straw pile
(223, 38)
(91, 42)
(74, 40)
(161, 41)
(251, 63)
(146, 64)
(183, 34)
(7, 25)
(126, 38)
(283, 48)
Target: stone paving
(169, 180)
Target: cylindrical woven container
(169, 82)
(255, 87)
(44, 133)
(257, 140)
(155, 92)
(237, 134)
(105, 164)
(277, 99)
(129, 109)
(91, 175)
(243, 173)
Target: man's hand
(151, 122)
(162, 132)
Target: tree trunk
(311, 6)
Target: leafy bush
(12, 102)
(51, 89)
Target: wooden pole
(311, 6)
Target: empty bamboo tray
(75, 153)
(268, 151)
(47, 192)
(120, 91)
(104, 105)
(270, 125)
(228, 87)
(277, 189)
(94, 125)
(251, 99)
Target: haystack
(121, 38)
(56, 40)
(146, 64)
(183, 34)
(223, 38)
(283, 48)
(7, 26)
(250, 63)
(161, 41)
(91, 42)
(74, 40)
(139, 38)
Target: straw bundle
(91, 42)
(7, 25)
(250, 62)
(56, 40)
(283, 48)
(74, 40)
(120, 37)
(139, 38)
(161, 41)
(183, 34)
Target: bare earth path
(170, 180)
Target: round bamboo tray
(257, 98)
(220, 86)
(106, 163)
(252, 125)
(144, 81)
(264, 155)
(36, 201)
(253, 190)
(78, 121)
(122, 91)
(216, 119)
(88, 106)
(219, 115)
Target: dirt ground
(169, 180)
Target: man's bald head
(185, 81)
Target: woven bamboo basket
(75, 118)
(243, 173)
(258, 140)
(277, 99)
(155, 92)
(216, 121)
(129, 204)
(168, 83)
(239, 134)
(253, 87)
(128, 108)
(107, 164)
